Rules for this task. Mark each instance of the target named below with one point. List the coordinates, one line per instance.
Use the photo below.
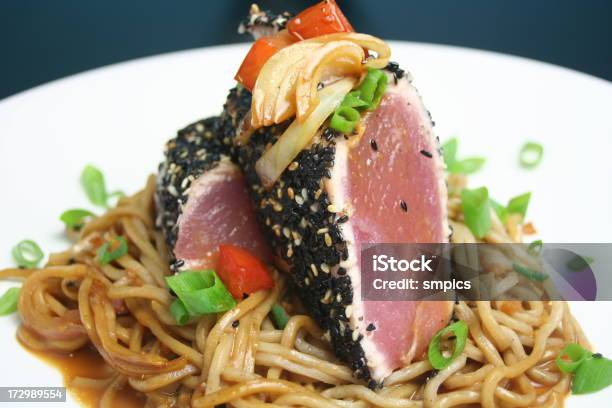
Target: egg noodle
(238, 358)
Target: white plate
(119, 117)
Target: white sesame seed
(314, 270)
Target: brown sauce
(87, 362)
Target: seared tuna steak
(202, 198)
(387, 186)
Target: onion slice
(287, 84)
(369, 42)
(333, 59)
(298, 135)
(268, 85)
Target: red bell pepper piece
(322, 18)
(241, 271)
(260, 52)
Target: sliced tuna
(203, 200)
(386, 187)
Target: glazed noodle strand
(238, 358)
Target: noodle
(122, 310)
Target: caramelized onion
(288, 81)
(333, 59)
(275, 160)
(267, 88)
(369, 42)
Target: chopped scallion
(27, 254)
(500, 210)
(519, 204)
(352, 100)
(75, 219)
(201, 292)
(113, 250)
(94, 185)
(8, 301)
(531, 155)
(373, 87)
(579, 263)
(459, 330)
(476, 210)
(535, 247)
(279, 316)
(529, 273)
(570, 357)
(591, 372)
(456, 166)
(466, 166)
(179, 312)
(345, 119)
(592, 375)
(449, 151)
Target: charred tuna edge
(195, 150)
(305, 230)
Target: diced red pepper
(241, 271)
(260, 52)
(322, 18)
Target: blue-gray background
(42, 40)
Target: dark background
(45, 40)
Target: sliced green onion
(75, 219)
(500, 210)
(353, 100)
(112, 250)
(373, 87)
(449, 151)
(519, 204)
(579, 263)
(93, 183)
(434, 354)
(529, 273)
(201, 292)
(593, 374)
(535, 247)
(27, 254)
(279, 316)
(570, 357)
(179, 312)
(345, 119)
(476, 210)
(8, 301)
(455, 166)
(531, 155)
(466, 166)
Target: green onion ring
(576, 354)
(27, 254)
(345, 119)
(531, 155)
(437, 360)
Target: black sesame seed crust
(297, 223)
(196, 149)
(264, 19)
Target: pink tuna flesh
(218, 211)
(392, 183)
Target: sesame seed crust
(296, 220)
(195, 150)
